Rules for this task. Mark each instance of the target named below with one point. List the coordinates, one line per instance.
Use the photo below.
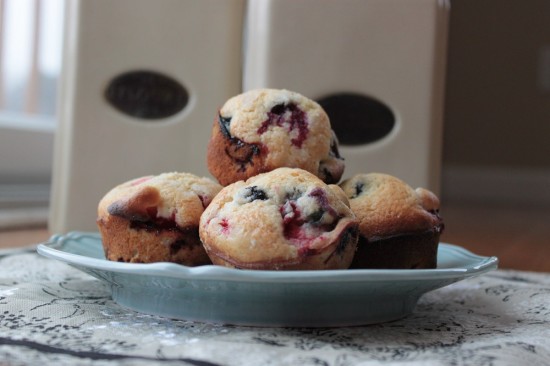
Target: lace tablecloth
(51, 313)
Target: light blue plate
(265, 298)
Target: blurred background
(495, 168)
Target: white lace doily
(52, 314)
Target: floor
(518, 236)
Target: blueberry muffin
(399, 227)
(264, 129)
(286, 219)
(156, 219)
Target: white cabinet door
(141, 85)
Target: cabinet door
(377, 66)
(141, 85)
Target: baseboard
(506, 185)
(23, 205)
(23, 217)
(24, 194)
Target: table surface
(52, 313)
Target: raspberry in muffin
(286, 219)
(264, 129)
(399, 227)
(155, 219)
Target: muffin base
(124, 243)
(407, 251)
(336, 255)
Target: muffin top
(386, 206)
(166, 199)
(277, 216)
(293, 129)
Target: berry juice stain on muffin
(292, 222)
(225, 226)
(289, 116)
(284, 219)
(241, 153)
(305, 219)
(153, 223)
(265, 129)
(322, 200)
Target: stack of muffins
(277, 204)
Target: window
(30, 63)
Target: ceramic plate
(265, 298)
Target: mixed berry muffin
(399, 227)
(156, 219)
(286, 219)
(264, 129)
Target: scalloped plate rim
(53, 248)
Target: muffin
(286, 219)
(264, 129)
(156, 219)
(399, 227)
